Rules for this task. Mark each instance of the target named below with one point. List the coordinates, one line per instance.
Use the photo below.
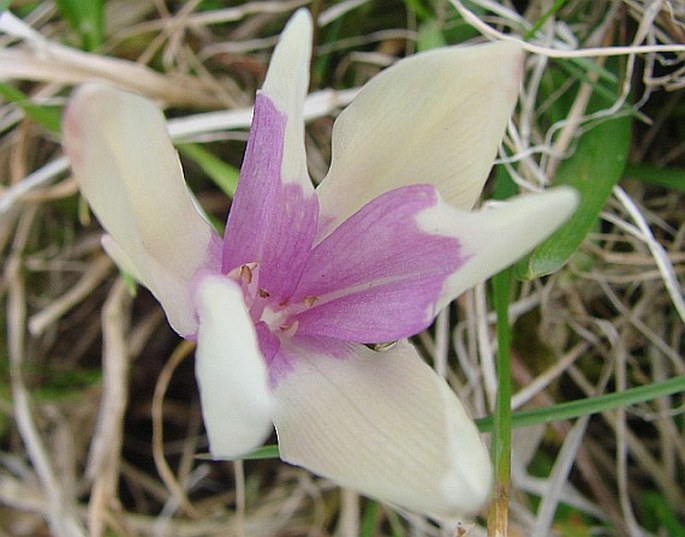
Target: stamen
(263, 293)
(245, 273)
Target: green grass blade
(539, 23)
(673, 178)
(422, 8)
(86, 18)
(590, 405)
(48, 116)
(430, 36)
(264, 452)
(581, 68)
(501, 285)
(660, 515)
(396, 528)
(224, 175)
(368, 526)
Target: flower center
(278, 314)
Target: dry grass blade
(90, 281)
(60, 506)
(105, 452)
(45, 60)
(180, 354)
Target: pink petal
(378, 275)
(274, 212)
(271, 223)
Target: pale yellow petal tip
(511, 48)
(300, 22)
(298, 33)
(290, 60)
(565, 198)
(507, 57)
(87, 100)
(93, 91)
(516, 55)
(75, 121)
(92, 110)
(466, 489)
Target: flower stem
(498, 515)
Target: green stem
(498, 517)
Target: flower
(282, 306)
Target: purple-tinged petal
(435, 117)
(271, 222)
(382, 423)
(237, 403)
(280, 364)
(274, 212)
(494, 238)
(127, 169)
(378, 275)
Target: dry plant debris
(99, 421)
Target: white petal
(236, 400)
(129, 172)
(436, 117)
(494, 238)
(286, 85)
(385, 424)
